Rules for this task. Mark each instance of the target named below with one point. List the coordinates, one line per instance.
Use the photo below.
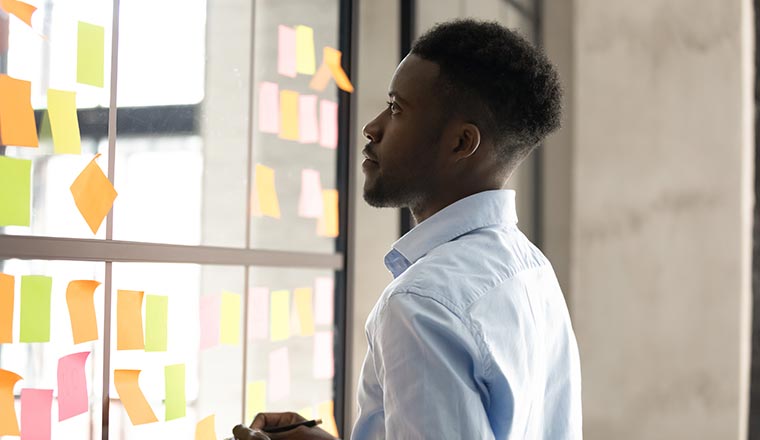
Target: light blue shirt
(472, 339)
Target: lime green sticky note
(156, 317)
(64, 125)
(230, 320)
(174, 376)
(90, 50)
(35, 308)
(15, 191)
(279, 322)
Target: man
(472, 339)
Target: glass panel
(37, 362)
(512, 18)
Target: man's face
(402, 166)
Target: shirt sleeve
(428, 364)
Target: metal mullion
(523, 10)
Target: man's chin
(377, 199)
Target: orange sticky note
(332, 58)
(17, 126)
(327, 225)
(8, 420)
(79, 298)
(264, 195)
(64, 125)
(206, 429)
(133, 399)
(326, 412)
(289, 115)
(7, 283)
(129, 326)
(93, 194)
(20, 9)
(305, 309)
(321, 78)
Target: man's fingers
(270, 420)
(242, 433)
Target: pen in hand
(307, 423)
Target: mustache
(368, 151)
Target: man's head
(465, 108)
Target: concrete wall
(649, 198)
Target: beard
(386, 192)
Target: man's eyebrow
(394, 94)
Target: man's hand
(273, 420)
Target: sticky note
(35, 308)
(306, 412)
(320, 79)
(15, 191)
(62, 111)
(7, 286)
(310, 200)
(17, 125)
(80, 300)
(206, 429)
(129, 326)
(256, 398)
(72, 386)
(289, 115)
(8, 421)
(133, 399)
(258, 313)
(264, 198)
(93, 194)
(305, 309)
(332, 58)
(90, 54)
(279, 374)
(324, 362)
(324, 302)
(175, 402)
(209, 318)
(286, 51)
(328, 124)
(305, 62)
(230, 321)
(156, 320)
(35, 414)
(269, 107)
(20, 9)
(280, 315)
(327, 225)
(326, 412)
(308, 127)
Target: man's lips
(368, 155)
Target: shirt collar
(477, 211)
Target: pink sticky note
(258, 313)
(210, 309)
(269, 107)
(72, 385)
(35, 414)
(328, 124)
(286, 57)
(308, 130)
(310, 203)
(279, 374)
(324, 288)
(324, 367)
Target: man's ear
(468, 141)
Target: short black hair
(498, 80)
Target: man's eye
(392, 107)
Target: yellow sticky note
(81, 304)
(326, 412)
(15, 191)
(133, 399)
(305, 62)
(306, 412)
(206, 429)
(289, 115)
(255, 399)
(7, 283)
(8, 421)
(305, 309)
(20, 9)
(64, 125)
(280, 315)
(90, 54)
(129, 326)
(17, 126)
(264, 198)
(327, 225)
(332, 58)
(174, 382)
(230, 321)
(93, 194)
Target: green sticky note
(90, 49)
(230, 321)
(174, 376)
(156, 318)
(15, 191)
(35, 308)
